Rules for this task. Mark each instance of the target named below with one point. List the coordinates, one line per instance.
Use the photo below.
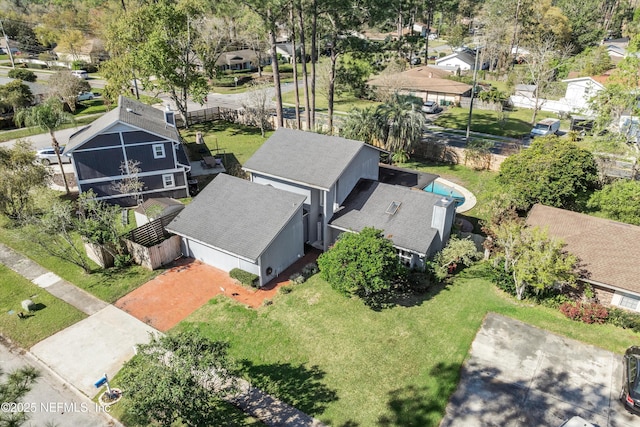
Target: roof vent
(393, 208)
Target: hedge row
(244, 277)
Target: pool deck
(469, 199)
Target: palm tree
(48, 116)
(364, 125)
(403, 123)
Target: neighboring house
(616, 48)
(131, 132)
(463, 61)
(245, 59)
(307, 188)
(607, 252)
(418, 223)
(38, 91)
(285, 50)
(152, 209)
(234, 223)
(428, 83)
(580, 90)
(92, 51)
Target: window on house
(167, 180)
(629, 302)
(158, 151)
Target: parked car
(81, 74)
(416, 60)
(48, 156)
(630, 393)
(546, 127)
(430, 107)
(85, 96)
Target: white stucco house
(579, 91)
(306, 188)
(463, 61)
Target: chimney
(169, 116)
(442, 219)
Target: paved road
(51, 400)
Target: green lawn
(106, 284)
(343, 103)
(236, 141)
(52, 315)
(346, 364)
(515, 124)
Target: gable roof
(595, 80)
(305, 157)
(606, 248)
(130, 112)
(409, 227)
(236, 57)
(237, 216)
(465, 57)
(427, 78)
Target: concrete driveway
(99, 344)
(519, 375)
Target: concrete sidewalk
(104, 341)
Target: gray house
(322, 168)
(307, 188)
(131, 132)
(418, 223)
(234, 223)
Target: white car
(85, 96)
(47, 156)
(430, 107)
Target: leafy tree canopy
(619, 201)
(12, 390)
(552, 171)
(178, 377)
(362, 264)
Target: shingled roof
(305, 157)
(237, 216)
(368, 206)
(130, 112)
(607, 249)
(428, 79)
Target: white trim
(279, 178)
(159, 155)
(166, 184)
(123, 144)
(625, 296)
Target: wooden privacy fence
(155, 256)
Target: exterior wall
(283, 185)
(603, 296)
(454, 62)
(286, 248)
(216, 258)
(433, 95)
(364, 165)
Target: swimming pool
(444, 190)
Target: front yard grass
(514, 124)
(346, 364)
(52, 315)
(106, 284)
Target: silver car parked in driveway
(47, 156)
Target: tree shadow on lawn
(299, 386)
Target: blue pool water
(445, 190)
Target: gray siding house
(131, 132)
(234, 223)
(324, 169)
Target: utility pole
(473, 93)
(6, 42)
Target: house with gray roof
(607, 252)
(324, 169)
(132, 132)
(235, 223)
(418, 223)
(308, 188)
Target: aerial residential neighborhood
(309, 213)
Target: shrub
(310, 269)
(22, 74)
(286, 290)
(244, 277)
(297, 278)
(624, 319)
(585, 312)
